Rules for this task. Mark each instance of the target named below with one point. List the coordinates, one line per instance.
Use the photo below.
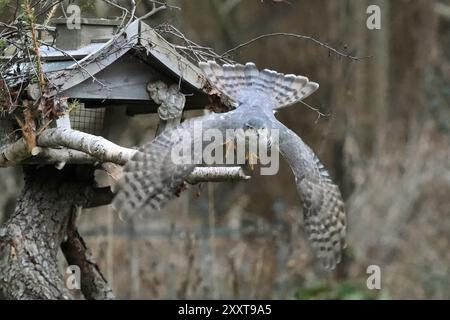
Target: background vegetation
(385, 141)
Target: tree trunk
(31, 237)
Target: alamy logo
(74, 20)
(374, 20)
(374, 280)
(73, 280)
(236, 147)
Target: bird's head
(255, 124)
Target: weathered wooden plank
(125, 80)
(96, 61)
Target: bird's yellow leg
(229, 144)
(252, 159)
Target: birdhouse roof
(118, 69)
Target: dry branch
(98, 147)
(293, 35)
(71, 146)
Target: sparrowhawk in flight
(150, 179)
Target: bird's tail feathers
(236, 80)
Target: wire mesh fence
(89, 120)
(190, 258)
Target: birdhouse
(104, 74)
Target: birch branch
(98, 147)
(13, 153)
(56, 146)
(63, 155)
(216, 174)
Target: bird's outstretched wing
(323, 208)
(152, 177)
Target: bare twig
(156, 9)
(39, 71)
(190, 49)
(319, 113)
(125, 12)
(293, 35)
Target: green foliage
(341, 291)
(87, 5)
(4, 3)
(435, 283)
(3, 44)
(28, 12)
(73, 105)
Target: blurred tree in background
(385, 139)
